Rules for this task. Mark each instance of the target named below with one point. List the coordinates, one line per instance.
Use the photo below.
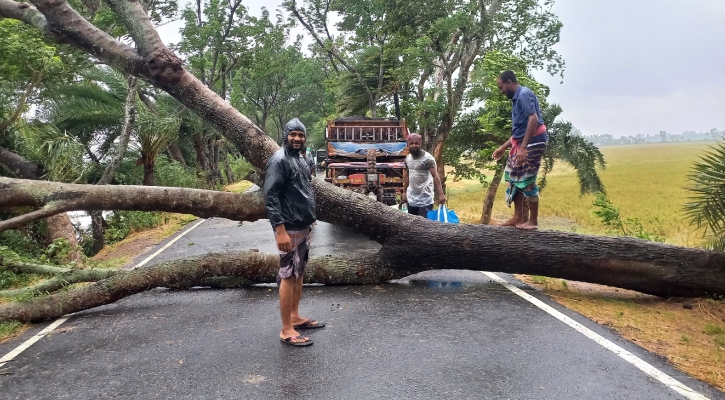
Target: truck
(367, 155)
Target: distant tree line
(662, 137)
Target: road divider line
(644, 366)
(55, 324)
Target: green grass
(647, 182)
(9, 330)
(712, 329)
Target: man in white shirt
(421, 178)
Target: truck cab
(367, 155)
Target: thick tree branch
(66, 23)
(26, 13)
(129, 121)
(20, 166)
(57, 197)
(254, 266)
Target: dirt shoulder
(689, 333)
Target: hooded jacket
(288, 194)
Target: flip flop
(289, 341)
(310, 324)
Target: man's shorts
(420, 211)
(294, 262)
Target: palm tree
(707, 196)
(154, 134)
(91, 110)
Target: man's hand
(498, 153)
(521, 156)
(441, 198)
(284, 243)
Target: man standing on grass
(421, 178)
(290, 204)
(528, 144)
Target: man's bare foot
(513, 222)
(528, 226)
(291, 333)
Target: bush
(123, 223)
(240, 167)
(171, 173)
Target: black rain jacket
(288, 194)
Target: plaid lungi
(293, 262)
(522, 176)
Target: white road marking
(645, 367)
(166, 246)
(24, 346)
(10, 356)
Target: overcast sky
(632, 67)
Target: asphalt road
(436, 335)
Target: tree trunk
(148, 170)
(60, 226)
(647, 267)
(175, 152)
(52, 198)
(97, 231)
(228, 166)
(491, 193)
(199, 147)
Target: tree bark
(60, 226)
(19, 166)
(148, 170)
(490, 199)
(97, 231)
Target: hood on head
(294, 125)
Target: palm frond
(706, 205)
(154, 132)
(580, 153)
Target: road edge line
(642, 365)
(26, 344)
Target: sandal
(310, 324)
(292, 341)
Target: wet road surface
(435, 335)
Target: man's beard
(416, 151)
(510, 94)
(292, 147)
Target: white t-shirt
(420, 180)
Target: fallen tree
(652, 268)
(647, 267)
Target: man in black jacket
(290, 204)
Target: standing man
(528, 144)
(290, 205)
(421, 178)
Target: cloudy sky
(632, 67)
